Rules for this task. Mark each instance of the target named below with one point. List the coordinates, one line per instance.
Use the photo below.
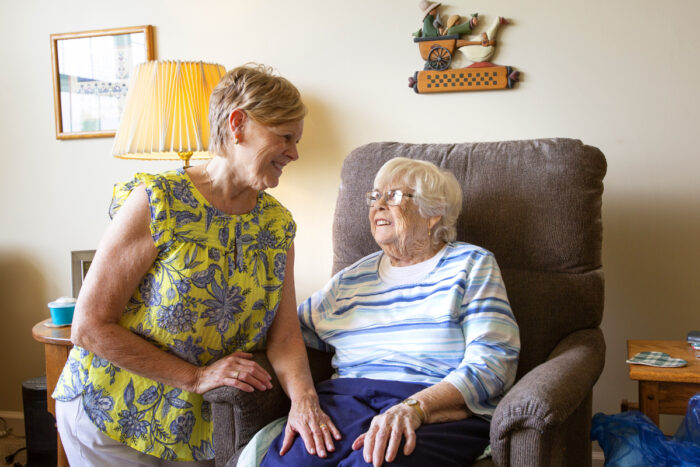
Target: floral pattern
(214, 289)
(176, 318)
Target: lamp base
(185, 156)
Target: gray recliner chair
(536, 205)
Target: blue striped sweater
(456, 326)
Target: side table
(57, 346)
(665, 390)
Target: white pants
(85, 445)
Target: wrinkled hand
(381, 442)
(313, 425)
(237, 370)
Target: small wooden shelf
(664, 390)
(57, 345)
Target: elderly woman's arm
(287, 354)
(125, 254)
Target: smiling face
(401, 231)
(264, 151)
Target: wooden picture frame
(91, 72)
(80, 261)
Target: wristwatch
(415, 405)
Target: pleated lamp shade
(166, 111)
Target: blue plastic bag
(631, 439)
(689, 430)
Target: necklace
(211, 182)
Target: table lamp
(166, 112)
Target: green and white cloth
(660, 359)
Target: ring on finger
(235, 374)
(323, 425)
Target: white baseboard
(14, 421)
(7, 415)
(597, 455)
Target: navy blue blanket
(353, 402)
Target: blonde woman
(195, 270)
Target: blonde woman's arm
(124, 255)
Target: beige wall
(621, 75)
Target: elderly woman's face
(399, 227)
(264, 151)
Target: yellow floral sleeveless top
(213, 289)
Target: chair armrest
(238, 415)
(544, 398)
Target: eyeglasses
(393, 197)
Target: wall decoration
(91, 71)
(80, 261)
(438, 42)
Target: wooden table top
(676, 349)
(51, 335)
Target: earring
(235, 140)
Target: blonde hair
(436, 192)
(267, 98)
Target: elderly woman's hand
(381, 442)
(313, 425)
(237, 370)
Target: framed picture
(80, 263)
(91, 71)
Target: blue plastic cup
(61, 312)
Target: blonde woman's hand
(236, 370)
(316, 429)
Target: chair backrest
(536, 204)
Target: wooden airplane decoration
(437, 42)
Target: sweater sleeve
(311, 313)
(492, 339)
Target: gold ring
(235, 374)
(323, 425)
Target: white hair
(436, 192)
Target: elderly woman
(424, 338)
(195, 270)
